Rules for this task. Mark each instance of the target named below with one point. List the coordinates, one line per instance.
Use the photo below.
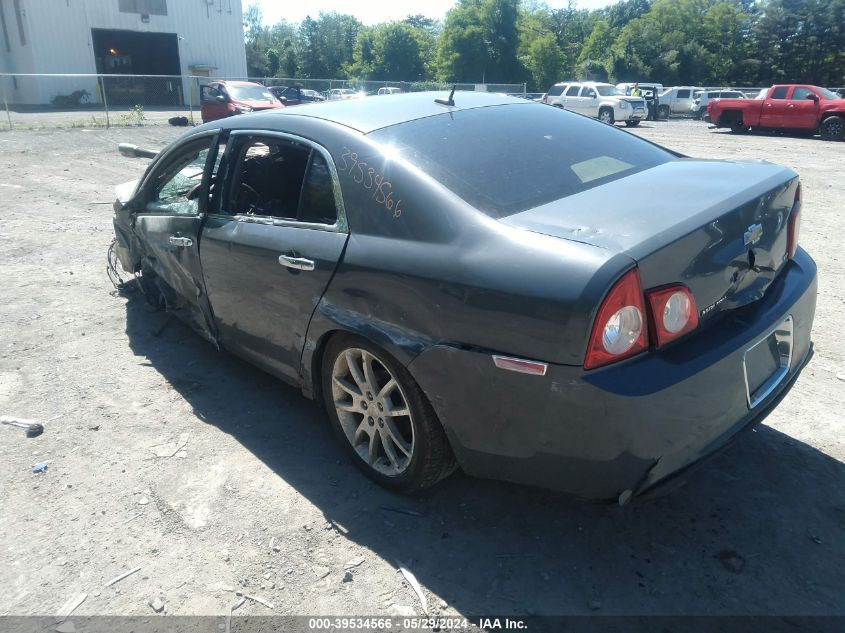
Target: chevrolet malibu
(484, 282)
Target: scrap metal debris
(170, 449)
(40, 468)
(412, 580)
(122, 576)
(70, 606)
(408, 511)
(267, 604)
(33, 428)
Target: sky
(376, 11)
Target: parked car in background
(340, 94)
(598, 100)
(698, 106)
(485, 282)
(389, 90)
(295, 95)
(798, 107)
(626, 88)
(221, 99)
(675, 100)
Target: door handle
(297, 263)
(791, 105)
(178, 240)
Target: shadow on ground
(759, 530)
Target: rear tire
(737, 127)
(382, 417)
(663, 113)
(632, 123)
(833, 128)
(606, 116)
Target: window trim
(165, 156)
(340, 225)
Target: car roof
(368, 115)
(237, 83)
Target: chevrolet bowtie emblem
(753, 234)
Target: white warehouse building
(118, 37)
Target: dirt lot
(215, 478)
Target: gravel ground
(213, 477)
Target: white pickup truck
(676, 100)
(600, 101)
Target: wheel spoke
(367, 361)
(373, 452)
(355, 370)
(349, 407)
(388, 388)
(388, 445)
(396, 438)
(361, 430)
(397, 413)
(343, 384)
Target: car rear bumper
(630, 426)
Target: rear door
(570, 98)
(681, 100)
(168, 215)
(801, 112)
(271, 246)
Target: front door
(774, 108)
(167, 223)
(271, 246)
(214, 102)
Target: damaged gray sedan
(484, 282)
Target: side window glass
(590, 93)
(176, 185)
(683, 94)
(267, 179)
(318, 203)
(800, 93)
(779, 92)
(573, 91)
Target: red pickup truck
(785, 107)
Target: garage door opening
(134, 53)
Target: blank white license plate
(766, 363)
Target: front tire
(606, 116)
(382, 417)
(833, 128)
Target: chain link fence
(85, 100)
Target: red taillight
(545, 100)
(619, 330)
(794, 225)
(673, 312)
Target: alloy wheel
(373, 411)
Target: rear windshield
(506, 159)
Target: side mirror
(812, 97)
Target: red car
(784, 107)
(221, 99)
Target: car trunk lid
(718, 227)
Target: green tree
(545, 61)
(479, 42)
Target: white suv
(600, 101)
(698, 107)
